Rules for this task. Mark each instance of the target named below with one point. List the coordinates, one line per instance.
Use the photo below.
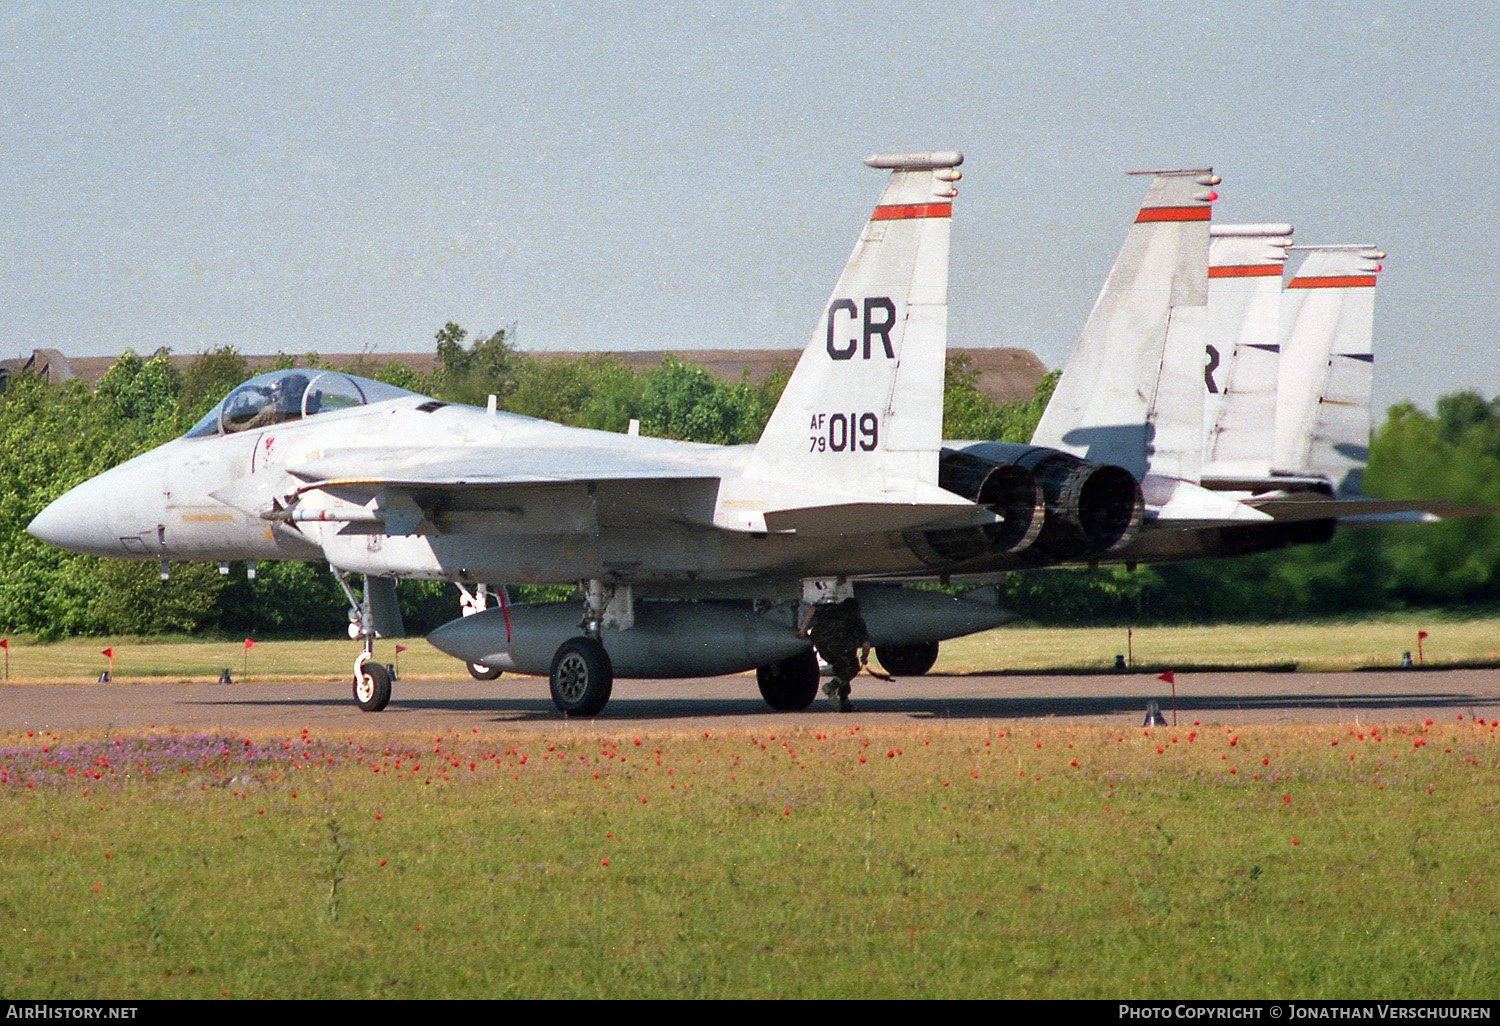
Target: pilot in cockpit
(283, 402)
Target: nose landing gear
(375, 615)
(372, 683)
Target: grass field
(940, 859)
(944, 861)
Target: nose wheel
(372, 684)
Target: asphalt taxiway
(522, 703)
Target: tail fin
(1132, 392)
(860, 420)
(1244, 316)
(1327, 355)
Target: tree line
(56, 436)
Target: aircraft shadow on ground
(1131, 707)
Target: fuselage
(209, 498)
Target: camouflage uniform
(838, 632)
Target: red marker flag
(1421, 635)
(4, 643)
(249, 644)
(400, 649)
(1172, 680)
(108, 653)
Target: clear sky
(345, 177)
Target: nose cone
(78, 520)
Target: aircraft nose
(77, 520)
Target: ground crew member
(839, 634)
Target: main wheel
(791, 684)
(372, 686)
(908, 660)
(582, 677)
(479, 671)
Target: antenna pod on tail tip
(1201, 175)
(914, 161)
(1220, 231)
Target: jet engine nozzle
(1092, 508)
(1052, 507)
(1007, 491)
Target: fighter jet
(691, 558)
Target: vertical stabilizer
(1327, 355)
(1132, 392)
(1243, 348)
(860, 419)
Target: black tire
(907, 660)
(790, 685)
(479, 671)
(582, 677)
(372, 687)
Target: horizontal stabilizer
(1387, 510)
(1182, 504)
(856, 517)
(1256, 484)
(756, 507)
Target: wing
(471, 468)
(518, 489)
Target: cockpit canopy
(287, 395)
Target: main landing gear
(790, 685)
(469, 603)
(582, 676)
(907, 660)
